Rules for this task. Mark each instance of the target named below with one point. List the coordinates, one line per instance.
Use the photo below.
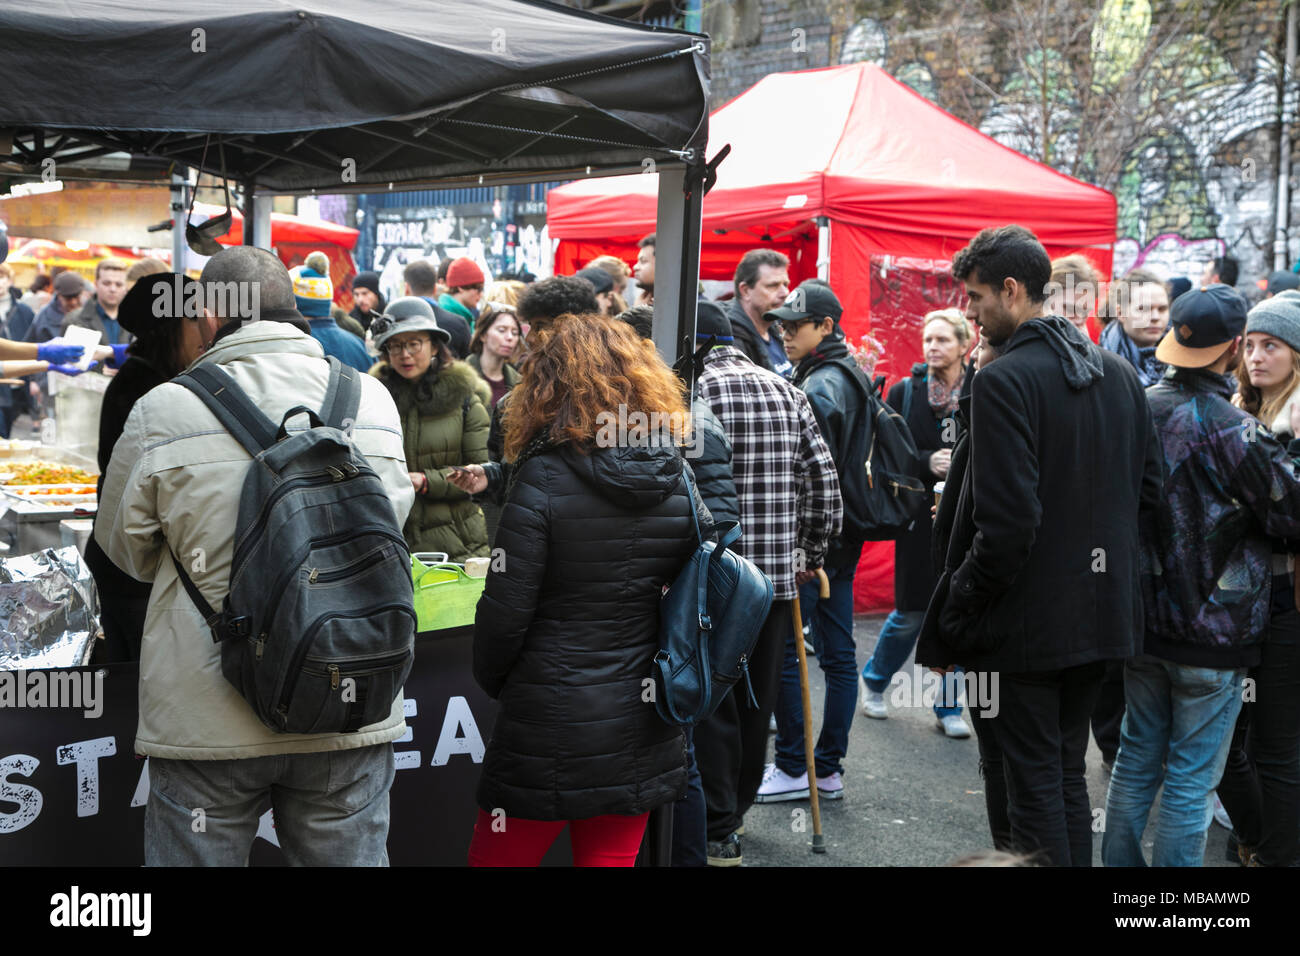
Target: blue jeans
(1184, 717)
(832, 636)
(895, 645)
(331, 808)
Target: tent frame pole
(677, 261)
(257, 217)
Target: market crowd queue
(482, 422)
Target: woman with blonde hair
(597, 520)
(620, 272)
(1260, 789)
(928, 402)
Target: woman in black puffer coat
(566, 632)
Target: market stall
(878, 190)
(485, 91)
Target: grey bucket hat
(407, 314)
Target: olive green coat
(444, 423)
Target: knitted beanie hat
(312, 288)
(1278, 317)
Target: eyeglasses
(790, 327)
(414, 346)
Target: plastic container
(445, 596)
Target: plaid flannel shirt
(787, 484)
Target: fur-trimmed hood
(434, 393)
(1280, 426)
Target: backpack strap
(342, 395)
(232, 406)
(917, 371)
(210, 615)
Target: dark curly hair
(559, 295)
(995, 255)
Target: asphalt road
(913, 797)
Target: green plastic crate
(445, 596)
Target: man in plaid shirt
(790, 510)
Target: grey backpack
(317, 632)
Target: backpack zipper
(300, 652)
(293, 484)
(334, 574)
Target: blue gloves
(119, 356)
(71, 369)
(58, 353)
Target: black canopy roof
(346, 94)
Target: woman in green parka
(444, 409)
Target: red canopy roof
(854, 144)
(285, 227)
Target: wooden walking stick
(824, 591)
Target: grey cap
(1279, 317)
(408, 314)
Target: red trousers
(611, 840)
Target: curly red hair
(580, 369)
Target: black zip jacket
(837, 389)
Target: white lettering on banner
(85, 754)
(141, 796)
(29, 799)
(21, 803)
(266, 828)
(458, 716)
(72, 909)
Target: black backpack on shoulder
(895, 498)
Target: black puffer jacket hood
(635, 477)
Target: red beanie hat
(463, 272)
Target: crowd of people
(1111, 541)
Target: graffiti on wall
(1196, 180)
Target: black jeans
(731, 746)
(1261, 783)
(993, 770)
(1042, 728)
(1108, 713)
(689, 815)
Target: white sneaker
(873, 703)
(954, 727)
(777, 785)
(1220, 814)
(830, 788)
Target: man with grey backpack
(262, 673)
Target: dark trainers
(725, 852)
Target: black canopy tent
(360, 95)
(355, 95)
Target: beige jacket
(175, 479)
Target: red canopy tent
(902, 183)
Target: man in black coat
(1063, 456)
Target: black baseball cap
(811, 300)
(1202, 324)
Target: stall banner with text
(72, 793)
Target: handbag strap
(729, 533)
